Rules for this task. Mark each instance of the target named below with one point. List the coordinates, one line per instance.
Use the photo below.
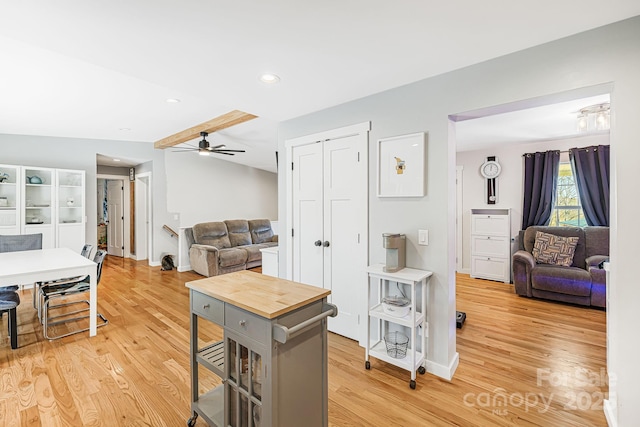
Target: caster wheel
(421, 370)
(412, 384)
(192, 421)
(367, 365)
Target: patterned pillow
(552, 249)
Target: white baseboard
(465, 271)
(182, 268)
(610, 413)
(154, 263)
(442, 371)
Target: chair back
(86, 250)
(20, 242)
(98, 258)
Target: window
(567, 211)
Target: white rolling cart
(380, 281)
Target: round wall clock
(490, 169)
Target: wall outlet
(423, 237)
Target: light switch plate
(423, 237)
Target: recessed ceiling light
(172, 100)
(116, 160)
(269, 78)
(125, 129)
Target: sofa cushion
(261, 230)
(552, 249)
(212, 234)
(238, 232)
(232, 256)
(253, 252)
(563, 280)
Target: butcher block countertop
(263, 295)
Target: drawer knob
(242, 323)
(206, 306)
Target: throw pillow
(552, 249)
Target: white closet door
(307, 215)
(343, 230)
(115, 210)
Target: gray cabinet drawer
(207, 307)
(247, 324)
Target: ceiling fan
(204, 148)
(224, 121)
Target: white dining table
(43, 265)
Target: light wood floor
(522, 362)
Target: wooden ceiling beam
(224, 121)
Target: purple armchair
(581, 283)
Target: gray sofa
(581, 283)
(231, 245)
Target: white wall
(204, 188)
(609, 56)
(509, 182)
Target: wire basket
(397, 344)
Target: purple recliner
(584, 282)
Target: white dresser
(491, 244)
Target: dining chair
(9, 301)
(65, 289)
(85, 252)
(17, 243)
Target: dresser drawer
(207, 307)
(247, 324)
(493, 246)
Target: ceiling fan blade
(217, 147)
(222, 152)
(228, 151)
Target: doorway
(143, 217)
(113, 215)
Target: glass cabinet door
(244, 385)
(9, 199)
(38, 196)
(70, 192)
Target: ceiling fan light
(203, 152)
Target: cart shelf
(212, 357)
(379, 351)
(378, 312)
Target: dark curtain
(540, 180)
(591, 169)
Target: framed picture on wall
(401, 171)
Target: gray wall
(607, 55)
(217, 190)
(77, 153)
(198, 190)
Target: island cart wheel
(192, 421)
(421, 370)
(367, 365)
(412, 384)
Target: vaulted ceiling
(104, 69)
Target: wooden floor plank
(523, 362)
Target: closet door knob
(326, 244)
(318, 243)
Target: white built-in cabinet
(491, 244)
(44, 200)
